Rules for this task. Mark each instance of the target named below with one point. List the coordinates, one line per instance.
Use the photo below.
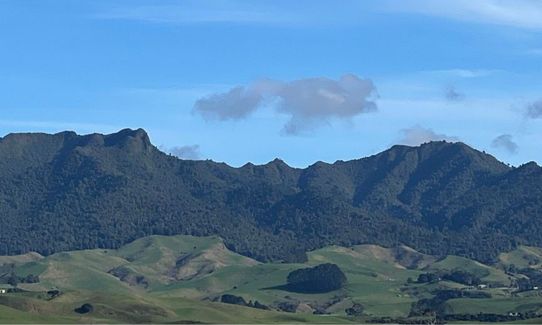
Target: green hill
(181, 278)
(523, 256)
(486, 273)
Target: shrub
(85, 309)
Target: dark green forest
(65, 192)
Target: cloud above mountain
(190, 152)
(235, 104)
(506, 142)
(417, 135)
(309, 102)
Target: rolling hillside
(182, 278)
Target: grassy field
(177, 279)
(487, 273)
(522, 257)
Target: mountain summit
(65, 191)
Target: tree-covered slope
(65, 191)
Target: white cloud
(308, 102)
(417, 135)
(514, 13)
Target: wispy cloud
(308, 102)
(514, 13)
(190, 152)
(52, 126)
(534, 109)
(452, 94)
(276, 13)
(462, 73)
(417, 135)
(506, 142)
(189, 12)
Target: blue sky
(240, 81)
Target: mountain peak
(530, 167)
(137, 133)
(128, 138)
(448, 152)
(278, 161)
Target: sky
(304, 81)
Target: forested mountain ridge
(65, 192)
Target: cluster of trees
(462, 277)
(321, 278)
(54, 293)
(459, 276)
(126, 275)
(490, 318)
(238, 300)
(13, 279)
(357, 309)
(429, 278)
(84, 309)
(65, 192)
(288, 306)
(404, 320)
(437, 304)
(534, 279)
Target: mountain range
(68, 192)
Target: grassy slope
(10, 315)
(501, 302)
(84, 276)
(374, 279)
(487, 273)
(136, 309)
(20, 259)
(183, 271)
(373, 282)
(522, 257)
